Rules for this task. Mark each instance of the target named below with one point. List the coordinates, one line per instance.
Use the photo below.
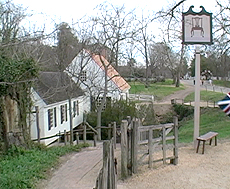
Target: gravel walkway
(78, 170)
(194, 170)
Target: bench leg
(215, 141)
(198, 144)
(210, 142)
(203, 147)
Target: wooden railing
(87, 129)
(141, 97)
(190, 103)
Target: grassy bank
(221, 83)
(21, 168)
(206, 96)
(211, 119)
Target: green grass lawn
(206, 96)
(159, 89)
(221, 83)
(212, 119)
(22, 168)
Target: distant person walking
(210, 81)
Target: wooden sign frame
(197, 27)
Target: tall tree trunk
(100, 108)
(3, 124)
(179, 67)
(147, 63)
(70, 121)
(99, 125)
(178, 80)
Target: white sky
(49, 12)
(72, 10)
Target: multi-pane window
(75, 108)
(99, 101)
(63, 113)
(52, 118)
(83, 76)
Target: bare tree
(172, 33)
(114, 26)
(104, 36)
(144, 41)
(219, 51)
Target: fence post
(114, 134)
(129, 140)
(84, 133)
(124, 150)
(59, 139)
(150, 144)
(134, 145)
(112, 173)
(65, 137)
(164, 144)
(105, 164)
(77, 137)
(175, 151)
(94, 140)
(109, 131)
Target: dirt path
(77, 171)
(179, 94)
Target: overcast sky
(72, 10)
(49, 12)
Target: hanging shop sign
(197, 27)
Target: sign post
(197, 97)
(197, 30)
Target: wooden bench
(204, 138)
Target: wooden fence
(190, 103)
(86, 129)
(152, 136)
(111, 131)
(107, 178)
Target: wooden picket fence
(107, 175)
